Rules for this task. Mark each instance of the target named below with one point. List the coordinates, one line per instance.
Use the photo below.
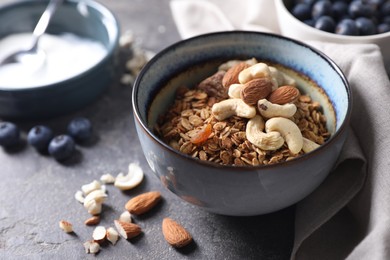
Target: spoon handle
(43, 22)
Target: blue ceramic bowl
(233, 190)
(87, 19)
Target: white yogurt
(66, 55)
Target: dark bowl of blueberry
(338, 21)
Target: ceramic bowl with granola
(241, 123)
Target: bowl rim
(329, 35)
(111, 48)
(337, 134)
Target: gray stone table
(36, 191)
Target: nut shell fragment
(175, 234)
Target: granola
(190, 127)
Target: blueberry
(61, 147)
(386, 19)
(358, 9)
(383, 27)
(9, 134)
(80, 129)
(325, 23)
(322, 8)
(365, 26)
(308, 2)
(340, 9)
(347, 27)
(302, 11)
(310, 22)
(39, 137)
(385, 9)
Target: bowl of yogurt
(75, 62)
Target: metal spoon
(39, 30)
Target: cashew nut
(259, 70)
(229, 64)
(268, 109)
(281, 77)
(309, 145)
(88, 188)
(266, 141)
(131, 180)
(235, 90)
(289, 131)
(97, 195)
(232, 107)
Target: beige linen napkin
(348, 216)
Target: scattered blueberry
(61, 147)
(347, 27)
(365, 26)
(325, 23)
(9, 134)
(40, 137)
(80, 129)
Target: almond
(284, 95)
(143, 202)
(255, 90)
(231, 76)
(99, 234)
(112, 235)
(66, 226)
(91, 247)
(175, 234)
(92, 221)
(127, 230)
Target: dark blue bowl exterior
(229, 190)
(68, 95)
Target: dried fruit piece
(202, 135)
(143, 202)
(231, 76)
(284, 95)
(91, 247)
(66, 226)
(213, 86)
(127, 230)
(112, 235)
(92, 221)
(99, 234)
(175, 234)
